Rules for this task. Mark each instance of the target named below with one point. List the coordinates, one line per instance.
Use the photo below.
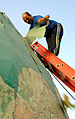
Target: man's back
(35, 22)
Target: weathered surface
(25, 91)
(34, 100)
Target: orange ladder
(59, 68)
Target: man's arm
(43, 20)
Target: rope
(63, 86)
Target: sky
(60, 11)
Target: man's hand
(43, 20)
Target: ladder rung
(60, 67)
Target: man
(54, 30)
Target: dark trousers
(53, 38)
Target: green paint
(5, 101)
(1, 87)
(14, 55)
(44, 108)
(9, 91)
(14, 110)
(9, 99)
(35, 104)
(26, 93)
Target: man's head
(27, 18)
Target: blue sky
(61, 11)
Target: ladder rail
(60, 67)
